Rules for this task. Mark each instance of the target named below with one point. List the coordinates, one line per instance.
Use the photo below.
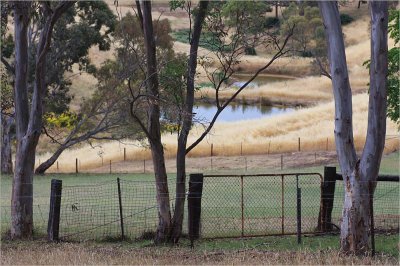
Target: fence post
(124, 154)
(76, 166)
(241, 149)
(194, 206)
(283, 205)
(54, 212)
(212, 150)
(372, 224)
(327, 142)
(298, 215)
(299, 144)
(281, 161)
(144, 166)
(57, 167)
(327, 198)
(120, 209)
(242, 204)
(110, 166)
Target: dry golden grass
(278, 134)
(116, 254)
(274, 135)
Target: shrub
(250, 51)
(271, 22)
(345, 19)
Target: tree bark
(186, 125)
(21, 201)
(154, 128)
(359, 175)
(6, 158)
(42, 168)
(28, 122)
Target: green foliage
(6, 93)
(394, 68)
(173, 78)
(65, 120)
(271, 22)
(308, 37)
(250, 11)
(86, 24)
(345, 19)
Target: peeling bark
(28, 119)
(154, 128)
(359, 175)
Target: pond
(235, 112)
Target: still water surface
(205, 112)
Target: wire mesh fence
(231, 206)
(252, 205)
(103, 211)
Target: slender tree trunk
(359, 175)
(154, 128)
(21, 201)
(28, 121)
(6, 158)
(186, 125)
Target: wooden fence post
(54, 212)
(124, 154)
(299, 145)
(212, 150)
(76, 166)
(194, 206)
(281, 161)
(120, 209)
(110, 166)
(327, 199)
(298, 215)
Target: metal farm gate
(259, 205)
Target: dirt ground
(251, 163)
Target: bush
(250, 51)
(271, 22)
(345, 19)
(306, 54)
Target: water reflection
(205, 112)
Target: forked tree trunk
(186, 125)
(6, 158)
(359, 175)
(28, 120)
(154, 128)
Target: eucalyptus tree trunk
(6, 158)
(359, 174)
(28, 120)
(186, 125)
(154, 128)
(21, 202)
